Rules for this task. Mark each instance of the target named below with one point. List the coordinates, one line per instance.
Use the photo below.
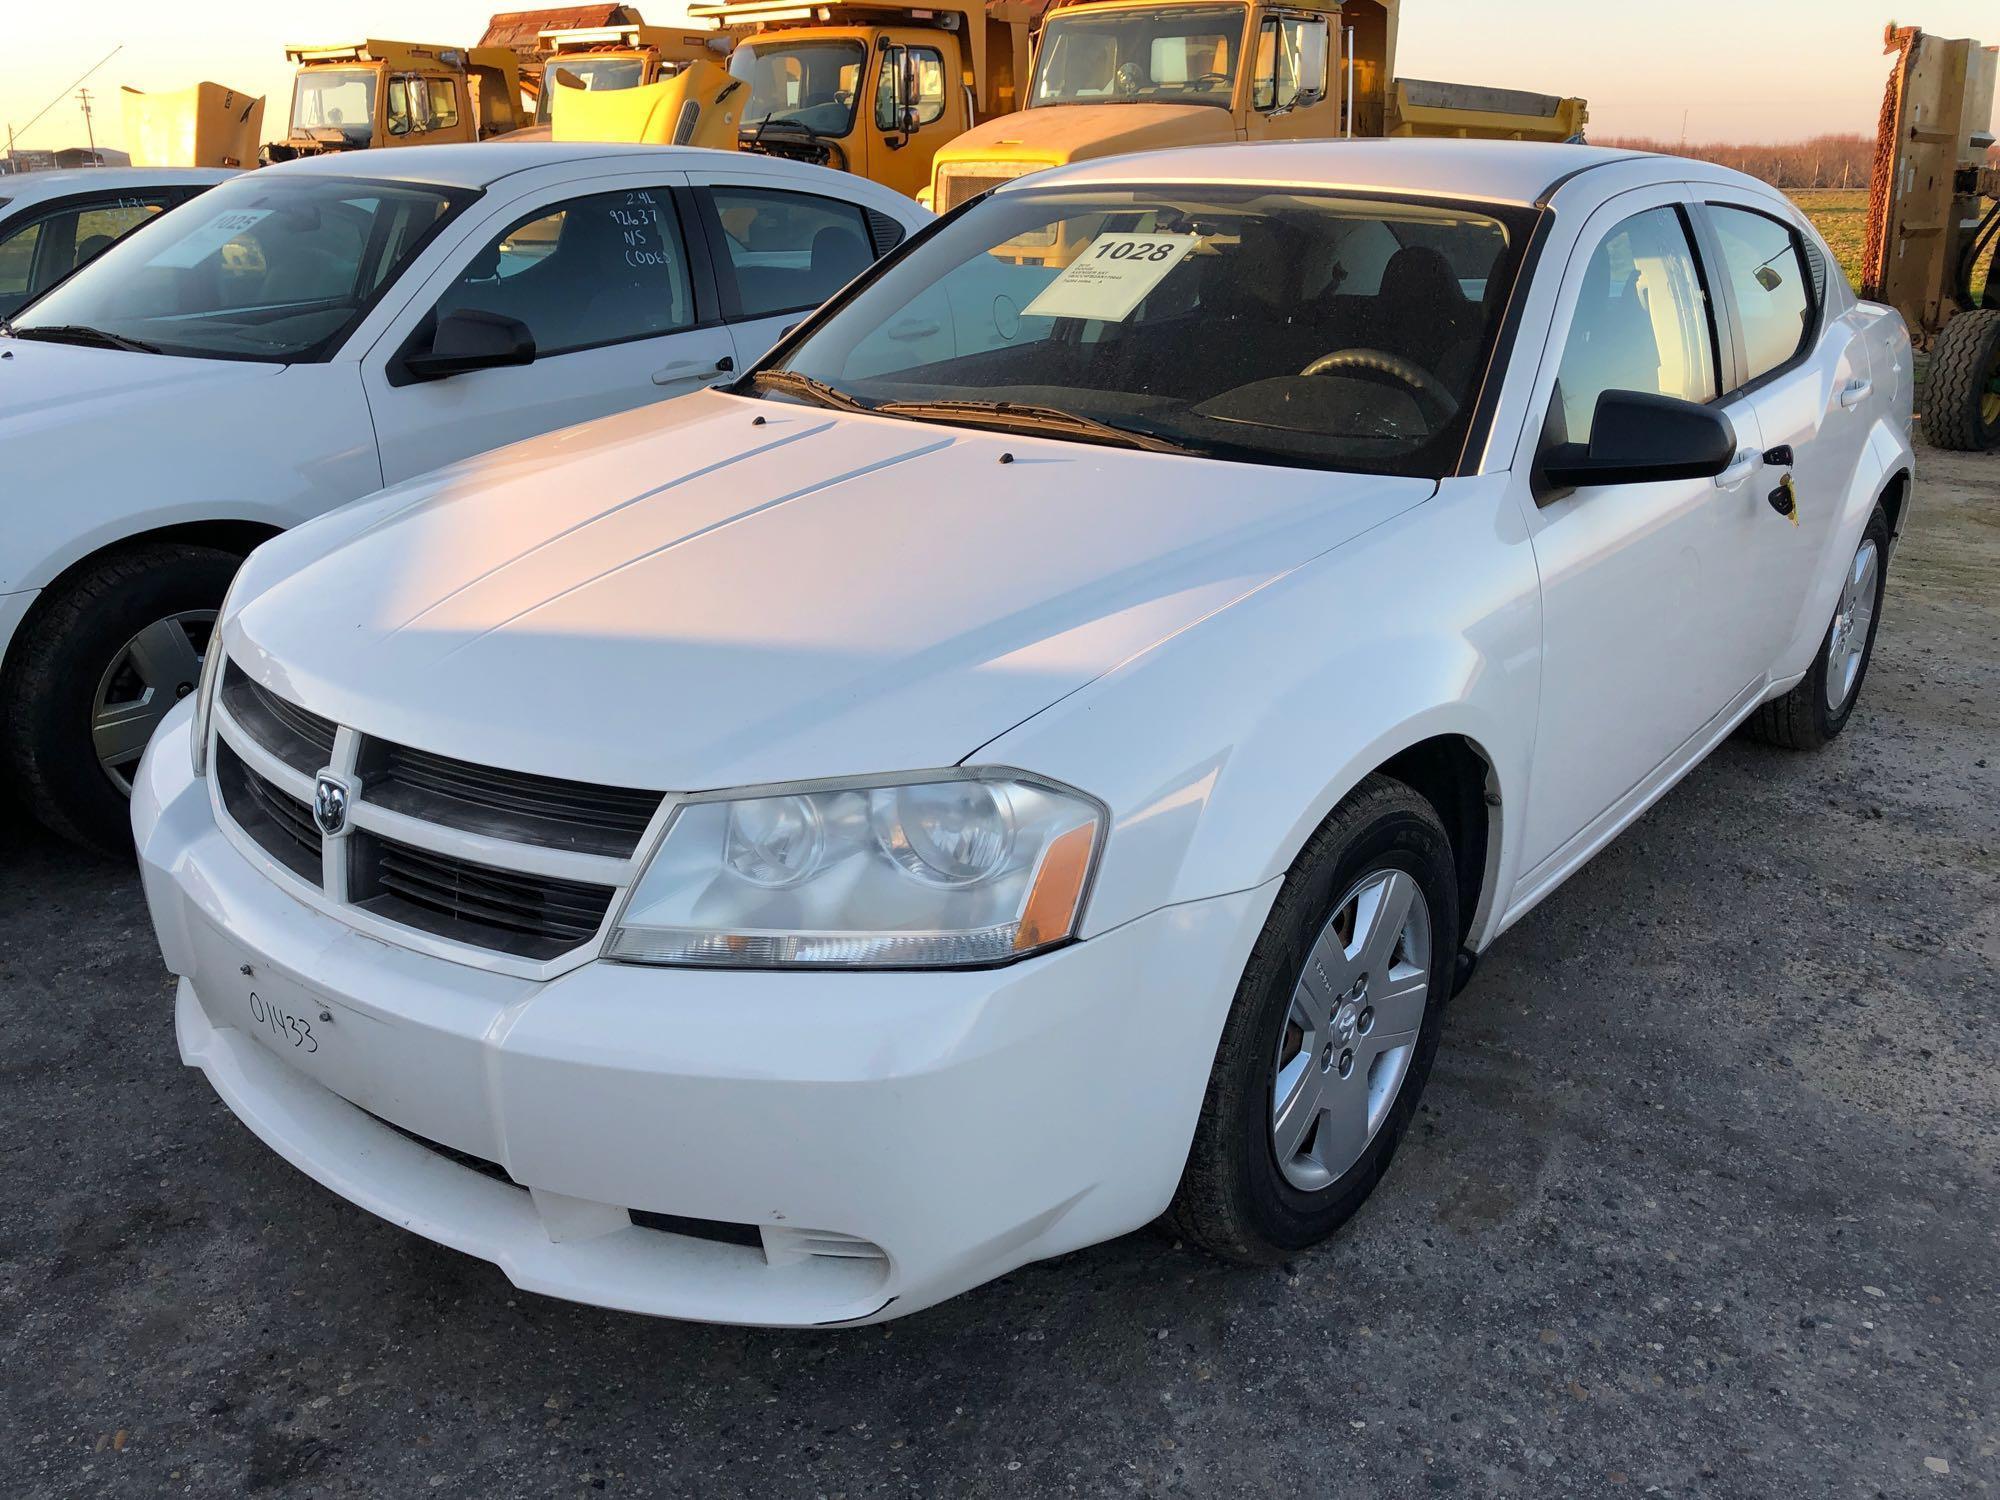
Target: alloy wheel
(1847, 646)
(148, 675)
(1352, 1029)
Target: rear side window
(1641, 322)
(788, 251)
(17, 266)
(1767, 270)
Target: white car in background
(53, 222)
(305, 334)
(791, 855)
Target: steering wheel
(1437, 404)
(1194, 83)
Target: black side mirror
(1640, 438)
(470, 339)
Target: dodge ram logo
(330, 804)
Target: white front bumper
(891, 1139)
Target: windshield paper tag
(1111, 277)
(193, 249)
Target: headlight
(953, 868)
(211, 674)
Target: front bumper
(802, 1148)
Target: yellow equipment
(360, 95)
(204, 126)
(697, 106)
(1132, 75)
(598, 59)
(875, 87)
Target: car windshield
(595, 73)
(340, 99)
(810, 85)
(1138, 57)
(264, 267)
(1262, 324)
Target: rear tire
(1820, 704)
(1352, 1042)
(72, 680)
(1962, 391)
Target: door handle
(904, 332)
(691, 369)
(1745, 465)
(1857, 392)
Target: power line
(12, 133)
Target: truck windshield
(340, 99)
(1267, 325)
(589, 73)
(1173, 55)
(263, 267)
(811, 85)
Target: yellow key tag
(1791, 494)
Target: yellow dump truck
(1112, 76)
(360, 95)
(875, 88)
(205, 126)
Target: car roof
(1512, 172)
(32, 187)
(481, 164)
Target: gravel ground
(1702, 1202)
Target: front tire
(1330, 1039)
(1820, 704)
(96, 667)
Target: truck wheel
(94, 670)
(1962, 391)
(1818, 707)
(1330, 1038)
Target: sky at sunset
(1758, 71)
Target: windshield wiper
(1027, 417)
(792, 383)
(77, 333)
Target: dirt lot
(1703, 1202)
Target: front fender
(1221, 750)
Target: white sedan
(303, 335)
(792, 854)
(53, 222)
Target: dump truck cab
(601, 58)
(874, 88)
(1115, 76)
(361, 95)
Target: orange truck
(1112, 76)
(874, 87)
(360, 95)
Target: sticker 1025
(284, 1025)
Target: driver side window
(1641, 322)
(591, 271)
(1290, 50)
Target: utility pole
(89, 134)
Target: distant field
(1842, 216)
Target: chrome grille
(512, 862)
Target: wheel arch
(227, 535)
(1456, 775)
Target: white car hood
(45, 386)
(720, 591)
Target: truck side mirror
(1312, 64)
